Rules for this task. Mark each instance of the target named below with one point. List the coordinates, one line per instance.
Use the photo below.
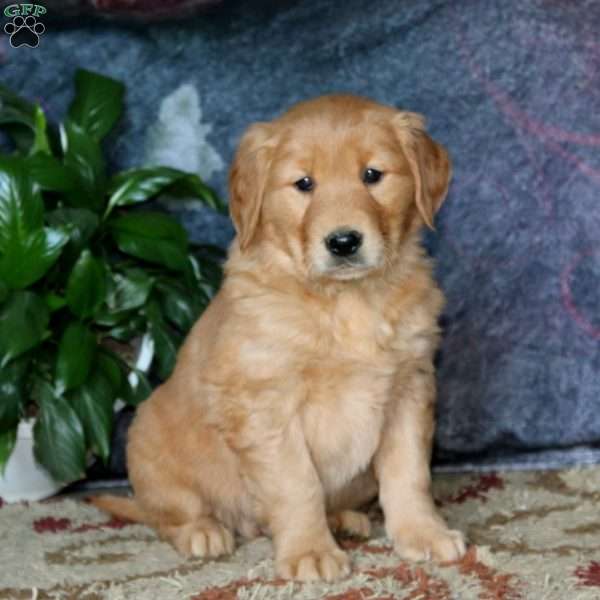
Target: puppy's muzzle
(344, 242)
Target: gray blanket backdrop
(511, 87)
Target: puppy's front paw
(327, 565)
(430, 539)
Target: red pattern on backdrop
(542, 125)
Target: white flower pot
(24, 478)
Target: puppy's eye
(306, 184)
(371, 176)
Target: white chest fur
(343, 425)
(333, 363)
(348, 386)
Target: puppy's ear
(429, 164)
(247, 179)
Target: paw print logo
(24, 31)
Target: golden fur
(307, 386)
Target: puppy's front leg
(402, 468)
(287, 487)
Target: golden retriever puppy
(307, 387)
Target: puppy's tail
(119, 506)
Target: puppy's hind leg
(183, 517)
(189, 533)
(177, 491)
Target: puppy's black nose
(343, 242)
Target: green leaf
(139, 185)
(86, 288)
(3, 292)
(50, 174)
(207, 270)
(179, 305)
(17, 118)
(98, 103)
(8, 439)
(130, 290)
(134, 394)
(93, 402)
(27, 248)
(27, 257)
(54, 302)
(104, 317)
(14, 109)
(83, 157)
(59, 441)
(196, 277)
(129, 328)
(79, 223)
(76, 351)
(21, 207)
(154, 225)
(11, 392)
(153, 237)
(165, 343)
(192, 186)
(23, 320)
(40, 138)
(112, 367)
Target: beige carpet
(535, 536)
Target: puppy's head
(339, 184)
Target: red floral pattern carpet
(534, 536)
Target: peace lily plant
(84, 271)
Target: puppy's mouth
(345, 269)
